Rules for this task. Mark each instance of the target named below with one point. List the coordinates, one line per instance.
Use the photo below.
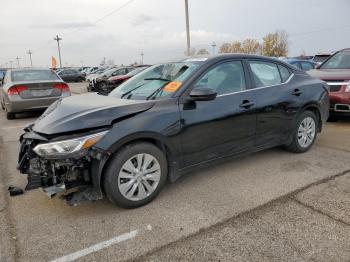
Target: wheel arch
(157, 140)
(314, 108)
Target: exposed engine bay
(68, 177)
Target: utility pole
(142, 54)
(187, 28)
(30, 56)
(213, 45)
(17, 58)
(58, 39)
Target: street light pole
(142, 54)
(30, 57)
(17, 58)
(213, 45)
(187, 28)
(58, 39)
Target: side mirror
(203, 94)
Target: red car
(336, 72)
(115, 81)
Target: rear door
(278, 100)
(223, 126)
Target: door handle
(296, 92)
(246, 104)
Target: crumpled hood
(85, 112)
(330, 74)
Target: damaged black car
(167, 120)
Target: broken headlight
(65, 148)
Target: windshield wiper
(131, 90)
(155, 92)
(158, 78)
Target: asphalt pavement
(272, 205)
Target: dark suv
(165, 121)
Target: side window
(265, 73)
(285, 74)
(306, 66)
(224, 78)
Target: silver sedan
(30, 89)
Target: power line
(102, 18)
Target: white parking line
(97, 247)
(10, 127)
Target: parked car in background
(169, 119)
(30, 89)
(115, 81)
(2, 73)
(336, 72)
(320, 58)
(304, 65)
(71, 75)
(95, 73)
(98, 83)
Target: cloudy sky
(157, 27)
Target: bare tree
(225, 48)
(251, 46)
(275, 44)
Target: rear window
(33, 75)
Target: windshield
(33, 75)
(340, 60)
(152, 82)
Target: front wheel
(304, 133)
(135, 175)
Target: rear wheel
(135, 175)
(304, 133)
(10, 115)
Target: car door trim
(262, 87)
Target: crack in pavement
(319, 211)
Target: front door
(223, 126)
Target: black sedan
(167, 120)
(71, 75)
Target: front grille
(334, 88)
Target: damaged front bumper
(75, 178)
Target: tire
(10, 116)
(118, 175)
(297, 146)
(2, 105)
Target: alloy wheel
(139, 177)
(306, 132)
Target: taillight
(16, 90)
(62, 86)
